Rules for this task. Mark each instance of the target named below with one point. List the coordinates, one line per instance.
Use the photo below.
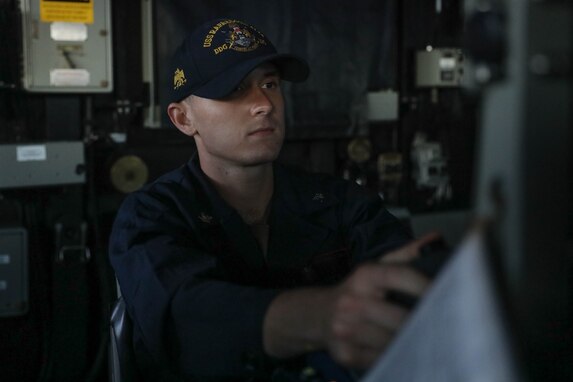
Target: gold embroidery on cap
(240, 37)
(209, 38)
(179, 78)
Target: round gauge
(129, 173)
(359, 150)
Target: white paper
(456, 332)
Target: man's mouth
(262, 131)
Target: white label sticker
(69, 77)
(62, 31)
(447, 63)
(32, 152)
(4, 259)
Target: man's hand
(363, 322)
(353, 321)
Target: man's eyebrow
(271, 73)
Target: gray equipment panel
(45, 164)
(13, 272)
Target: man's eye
(271, 85)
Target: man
(233, 263)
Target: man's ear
(178, 114)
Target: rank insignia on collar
(318, 197)
(207, 219)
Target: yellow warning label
(72, 11)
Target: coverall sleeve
(372, 230)
(187, 318)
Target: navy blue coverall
(195, 281)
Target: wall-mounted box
(67, 46)
(439, 67)
(383, 105)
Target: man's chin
(261, 159)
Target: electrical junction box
(67, 46)
(439, 67)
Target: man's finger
(369, 316)
(403, 279)
(409, 251)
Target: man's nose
(261, 102)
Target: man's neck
(246, 189)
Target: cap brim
(291, 68)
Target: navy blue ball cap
(213, 60)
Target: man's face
(245, 128)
